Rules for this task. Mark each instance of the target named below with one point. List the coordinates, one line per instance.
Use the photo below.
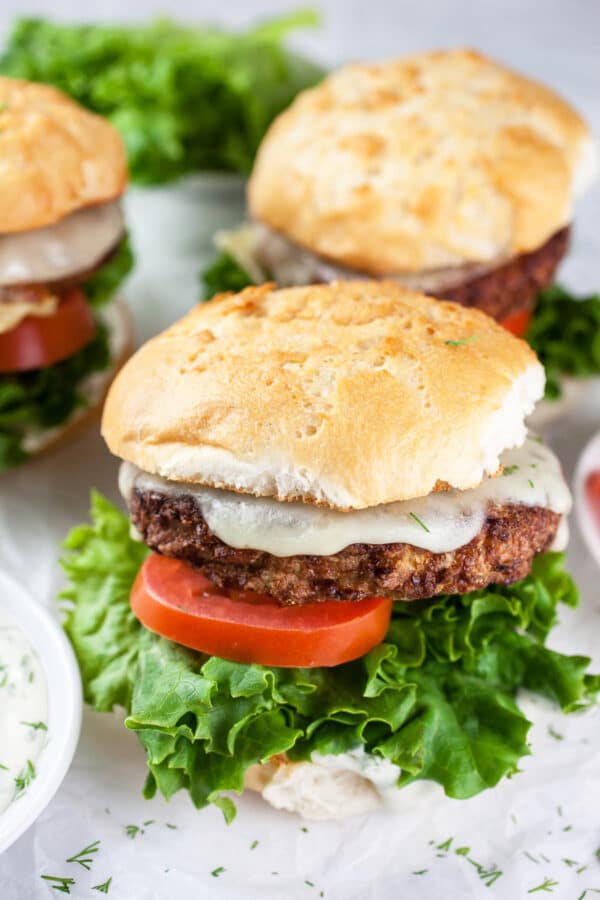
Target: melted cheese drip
(75, 244)
(441, 522)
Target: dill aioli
(23, 712)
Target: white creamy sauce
(75, 244)
(23, 712)
(331, 786)
(440, 522)
(265, 254)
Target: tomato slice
(178, 602)
(39, 341)
(592, 488)
(517, 323)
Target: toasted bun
(56, 157)
(121, 347)
(347, 394)
(436, 160)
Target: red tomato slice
(178, 602)
(39, 341)
(592, 488)
(517, 323)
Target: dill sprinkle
(59, 884)
(104, 887)
(547, 886)
(254, 845)
(467, 340)
(419, 522)
(37, 726)
(85, 857)
(24, 779)
(218, 871)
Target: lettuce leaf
(45, 398)
(184, 98)
(438, 697)
(565, 333)
(104, 283)
(222, 275)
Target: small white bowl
(64, 707)
(589, 461)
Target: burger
(63, 254)
(341, 555)
(444, 171)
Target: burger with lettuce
(63, 254)
(340, 555)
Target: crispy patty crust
(513, 287)
(501, 553)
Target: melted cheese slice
(267, 255)
(441, 522)
(75, 244)
(14, 312)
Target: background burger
(343, 563)
(63, 253)
(444, 171)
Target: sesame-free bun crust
(55, 157)
(432, 161)
(347, 394)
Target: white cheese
(265, 254)
(75, 244)
(440, 522)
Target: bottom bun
(331, 788)
(94, 387)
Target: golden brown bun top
(350, 395)
(55, 157)
(426, 162)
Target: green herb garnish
(419, 522)
(85, 857)
(467, 340)
(548, 886)
(510, 470)
(58, 883)
(218, 871)
(37, 726)
(104, 887)
(24, 779)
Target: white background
(551, 810)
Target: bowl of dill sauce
(40, 709)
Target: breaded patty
(501, 553)
(513, 287)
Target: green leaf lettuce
(438, 698)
